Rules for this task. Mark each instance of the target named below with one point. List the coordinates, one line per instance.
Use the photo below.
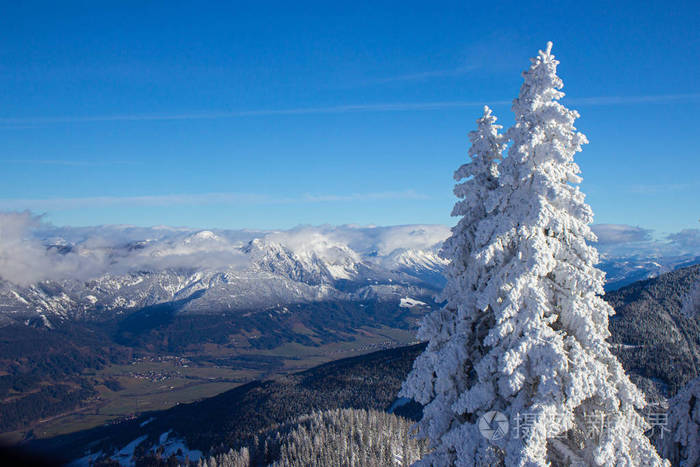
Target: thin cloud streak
(10, 122)
(422, 75)
(614, 100)
(387, 195)
(68, 163)
(198, 199)
(653, 189)
(387, 107)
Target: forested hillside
(41, 370)
(352, 437)
(656, 342)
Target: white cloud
(337, 109)
(28, 255)
(620, 233)
(407, 194)
(29, 248)
(201, 251)
(687, 238)
(25, 260)
(68, 163)
(620, 100)
(653, 189)
(423, 75)
(619, 240)
(363, 239)
(411, 236)
(146, 200)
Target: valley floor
(158, 382)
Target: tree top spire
(548, 51)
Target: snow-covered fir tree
(524, 329)
(438, 374)
(682, 442)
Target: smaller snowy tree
(682, 444)
(441, 373)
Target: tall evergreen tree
(440, 374)
(526, 313)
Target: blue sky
(270, 115)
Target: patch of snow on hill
(410, 303)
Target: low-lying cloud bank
(687, 238)
(620, 240)
(32, 250)
(23, 257)
(611, 234)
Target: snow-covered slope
(624, 270)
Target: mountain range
(208, 272)
(102, 273)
